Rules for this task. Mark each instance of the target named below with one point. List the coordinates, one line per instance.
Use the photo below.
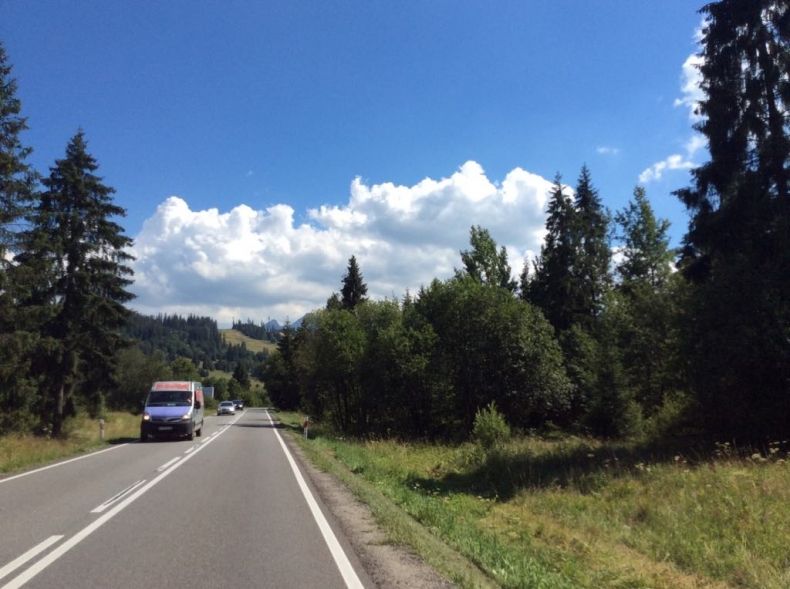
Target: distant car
(239, 404)
(226, 408)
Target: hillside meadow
(236, 338)
(577, 512)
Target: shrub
(490, 428)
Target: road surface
(229, 509)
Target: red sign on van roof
(172, 386)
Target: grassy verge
(579, 513)
(19, 452)
(400, 527)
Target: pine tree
(484, 264)
(590, 266)
(17, 184)
(737, 248)
(78, 254)
(647, 257)
(647, 309)
(17, 179)
(354, 288)
(552, 285)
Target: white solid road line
(32, 553)
(117, 497)
(168, 463)
(341, 560)
(24, 474)
(35, 569)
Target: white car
(226, 408)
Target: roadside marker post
(101, 429)
(306, 426)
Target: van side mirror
(197, 405)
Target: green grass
(576, 512)
(235, 337)
(20, 452)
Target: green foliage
(490, 428)
(77, 254)
(279, 373)
(183, 369)
(737, 249)
(134, 373)
(17, 179)
(483, 263)
(590, 265)
(241, 376)
(646, 256)
(552, 285)
(354, 289)
(493, 347)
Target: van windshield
(169, 399)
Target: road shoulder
(388, 565)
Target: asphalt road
(229, 509)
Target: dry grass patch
(236, 338)
(18, 452)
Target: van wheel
(143, 437)
(191, 435)
(200, 431)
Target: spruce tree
(590, 265)
(737, 248)
(17, 179)
(17, 186)
(78, 253)
(647, 312)
(354, 288)
(647, 257)
(552, 284)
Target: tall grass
(577, 512)
(19, 452)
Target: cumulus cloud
(605, 150)
(691, 90)
(691, 95)
(673, 162)
(260, 263)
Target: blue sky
(252, 108)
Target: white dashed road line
(32, 553)
(63, 548)
(117, 497)
(168, 463)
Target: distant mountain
(272, 325)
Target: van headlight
(146, 416)
(186, 416)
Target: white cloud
(690, 88)
(673, 162)
(604, 150)
(257, 264)
(691, 95)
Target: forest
(609, 331)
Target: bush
(490, 428)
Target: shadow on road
(264, 425)
(122, 440)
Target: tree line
(608, 331)
(647, 339)
(67, 339)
